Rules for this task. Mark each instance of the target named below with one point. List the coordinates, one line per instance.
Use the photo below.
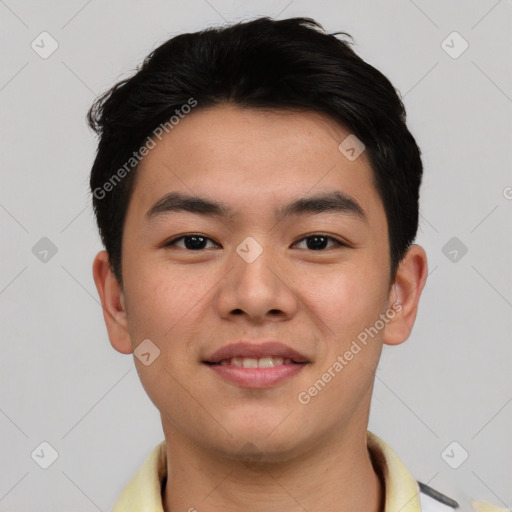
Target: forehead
(252, 159)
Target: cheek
(161, 298)
(345, 297)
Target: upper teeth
(262, 362)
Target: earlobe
(405, 294)
(113, 304)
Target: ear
(113, 303)
(405, 293)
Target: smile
(256, 373)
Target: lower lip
(257, 377)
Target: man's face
(191, 302)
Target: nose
(259, 290)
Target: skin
(190, 303)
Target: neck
(337, 476)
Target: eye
(191, 242)
(197, 242)
(318, 241)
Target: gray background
(62, 382)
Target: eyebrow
(329, 202)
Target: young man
(256, 189)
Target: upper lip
(257, 350)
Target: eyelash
(172, 242)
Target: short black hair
(289, 64)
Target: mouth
(252, 362)
(256, 373)
(256, 365)
(255, 355)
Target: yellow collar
(144, 491)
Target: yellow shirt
(402, 493)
